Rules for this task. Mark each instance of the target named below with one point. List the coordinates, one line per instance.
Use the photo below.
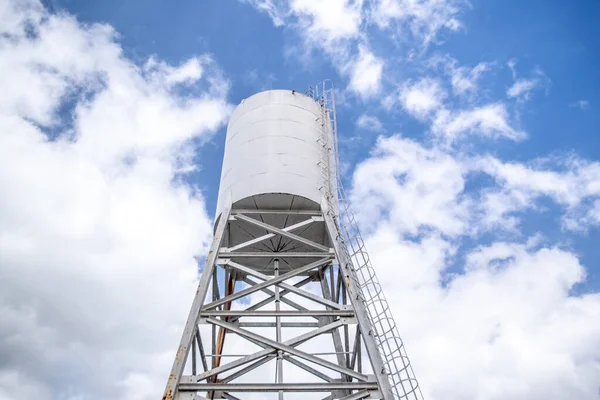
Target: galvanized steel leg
(357, 301)
(190, 326)
(279, 370)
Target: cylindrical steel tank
(272, 147)
(278, 156)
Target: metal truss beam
(283, 212)
(276, 254)
(267, 283)
(281, 313)
(289, 288)
(271, 297)
(275, 387)
(288, 349)
(281, 232)
(271, 235)
(273, 324)
(251, 357)
(308, 368)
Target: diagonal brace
(281, 232)
(288, 349)
(287, 287)
(270, 282)
(270, 235)
(251, 357)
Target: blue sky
(470, 148)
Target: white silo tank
(273, 147)
(276, 158)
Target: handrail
(398, 368)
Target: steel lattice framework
(287, 295)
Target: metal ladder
(391, 348)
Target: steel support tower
(288, 304)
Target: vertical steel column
(279, 369)
(192, 321)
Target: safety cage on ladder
(398, 368)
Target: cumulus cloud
(574, 184)
(491, 120)
(333, 27)
(449, 118)
(329, 20)
(412, 186)
(418, 187)
(365, 73)
(100, 231)
(468, 332)
(422, 98)
(321, 24)
(339, 28)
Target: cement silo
(282, 229)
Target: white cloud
(521, 88)
(333, 27)
(573, 184)
(365, 73)
(404, 176)
(424, 19)
(427, 100)
(188, 72)
(464, 80)
(519, 176)
(505, 324)
(329, 20)
(272, 8)
(321, 22)
(422, 98)
(99, 232)
(594, 213)
(491, 120)
(419, 187)
(339, 29)
(369, 122)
